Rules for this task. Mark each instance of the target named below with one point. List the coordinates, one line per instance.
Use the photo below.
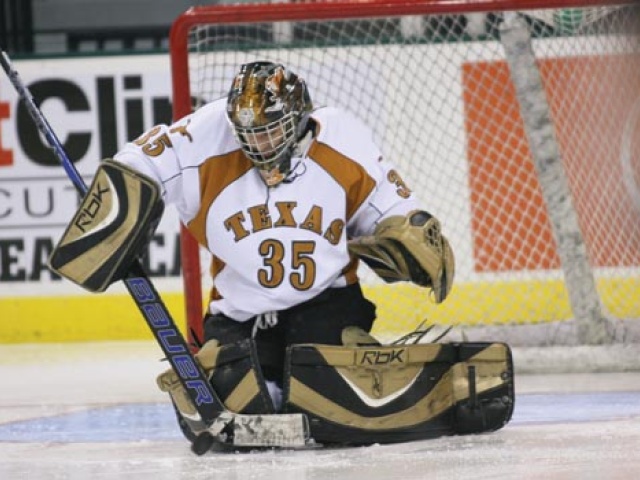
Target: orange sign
(595, 105)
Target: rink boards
(134, 93)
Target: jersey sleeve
(173, 154)
(374, 185)
(152, 154)
(390, 196)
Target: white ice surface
(69, 412)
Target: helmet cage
(267, 145)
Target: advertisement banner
(94, 106)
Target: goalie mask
(268, 107)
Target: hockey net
(536, 265)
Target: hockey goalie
(288, 199)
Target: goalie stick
(222, 426)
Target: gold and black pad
(362, 395)
(237, 378)
(110, 229)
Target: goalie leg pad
(237, 379)
(119, 213)
(385, 394)
(483, 387)
(235, 376)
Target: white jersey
(272, 248)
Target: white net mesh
(436, 91)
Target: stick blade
(279, 430)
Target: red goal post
(432, 80)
